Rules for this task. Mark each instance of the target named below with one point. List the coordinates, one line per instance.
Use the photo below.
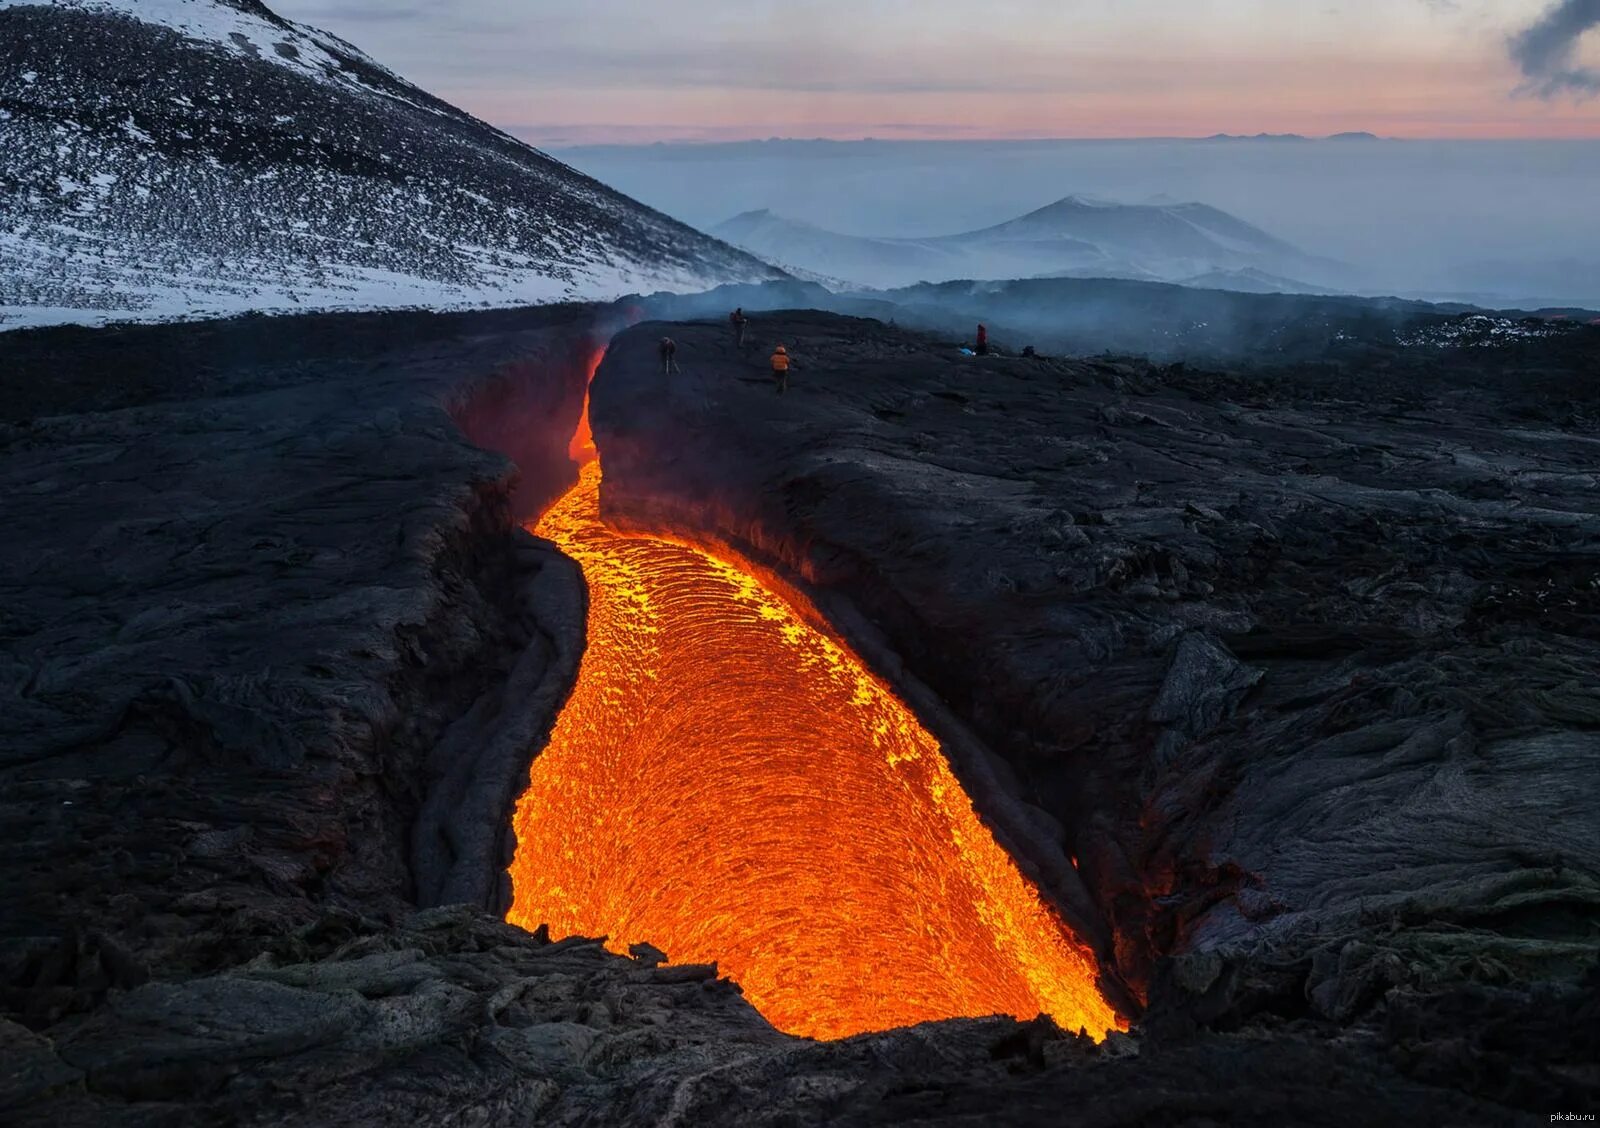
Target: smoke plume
(1547, 52)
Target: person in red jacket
(780, 369)
(983, 340)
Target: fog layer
(1498, 221)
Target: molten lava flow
(582, 449)
(730, 784)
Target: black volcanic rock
(1304, 666)
(242, 621)
(1214, 326)
(178, 158)
(277, 655)
(449, 1015)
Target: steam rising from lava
(730, 784)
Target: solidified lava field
(1291, 671)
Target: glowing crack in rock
(732, 785)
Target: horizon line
(531, 135)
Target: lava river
(730, 784)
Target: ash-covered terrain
(185, 158)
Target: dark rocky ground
(1301, 333)
(1301, 670)
(1176, 323)
(1300, 664)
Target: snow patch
(308, 51)
(1481, 331)
(131, 129)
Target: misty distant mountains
(1355, 135)
(1248, 280)
(1075, 237)
(194, 157)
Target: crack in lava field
(730, 784)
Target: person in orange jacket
(780, 369)
(983, 340)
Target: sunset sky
(579, 71)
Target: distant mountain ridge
(1257, 137)
(1076, 236)
(1353, 135)
(203, 157)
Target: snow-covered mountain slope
(189, 158)
(1074, 237)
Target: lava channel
(730, 784)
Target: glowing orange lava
(582, 449)
(730, 784)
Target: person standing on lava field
(739, 321)
(780, 369)
(669, 356)
(983, 340)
